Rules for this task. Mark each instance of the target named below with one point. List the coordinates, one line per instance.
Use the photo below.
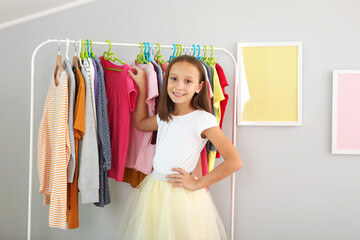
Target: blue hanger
(173, 55)
(194, 49)
(148, 52)
(145, 46)
(88, 48)
(198, 55)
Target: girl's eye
(173, 78)
(188, 81)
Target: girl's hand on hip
(183, 179)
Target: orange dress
(79, 131)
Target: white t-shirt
(179, 142)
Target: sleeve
(132, 93)
(207, 120)
(152, 92)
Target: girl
(170, 203)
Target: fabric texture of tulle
(158, 211)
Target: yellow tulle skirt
(158, 211)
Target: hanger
(194, 50)
(147, 53)
(88, 49)
(82, 51)
(173, 55)
(86, 54)
(111, 56)
(205, 59)
(177, 50)
(211, 60)
(198, 55)
(92, 53)
(158, 56)
(189, 50)
(141, 57)
(58, 66)
(75, 58)
(79, 53)
(152, 53)
(181, 49)
(67, 49)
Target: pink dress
(121, 94)
(141, 152)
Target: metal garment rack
(123, 45)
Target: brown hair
(199, 101)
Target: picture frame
(346, 112)
(269, 92)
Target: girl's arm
(142, 121)
(231, 164)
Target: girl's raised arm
(142, 121)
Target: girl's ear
(200, 87)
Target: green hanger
(82, 51)
(92, 53)
(158, 56)
(177, 50)
(141, 57)
(86, 53)
(106, 54)
(181, 49)
(212, 59)
(205, 59)
(110, 56)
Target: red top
(224, 102)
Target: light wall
(291, 186)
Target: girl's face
(183, 82)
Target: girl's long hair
(199, 101)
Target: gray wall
(291, 186)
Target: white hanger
(67, 49)
(79, 53)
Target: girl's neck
(178, 111)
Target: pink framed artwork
(346, 112)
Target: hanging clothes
(161, 74)
(79, 132)
(54, 150)
(133, 177)
(223, 103)
(88, 181)
(218, 97)
(71, 100)
(209, 146)
(93, 75)
(103, 133)
(121, 93)
(141, 152)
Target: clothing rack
(67, 41)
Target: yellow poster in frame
(270, 84)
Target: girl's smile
(183, 83)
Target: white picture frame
(346, 112)
(243, 91)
